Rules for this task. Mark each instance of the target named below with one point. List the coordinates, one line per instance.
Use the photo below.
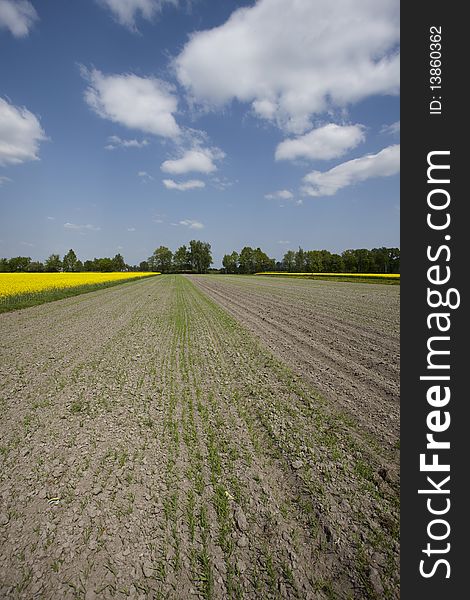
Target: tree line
(69, 263)
(361, 260)
(196, 257)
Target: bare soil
(341, 337)
(151, 446)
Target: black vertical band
(434, 336)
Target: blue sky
(129, 124)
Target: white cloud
(200, 160)
(125, 11)
(142, 103)
(392, 129)
(50, 218)
(18, 16)
(29, 244)
(192, 184)
(280, 195)
(324, 143)
(4, 179)
(319, 55)
(222, 183)
(20, 134)
(75, 227)
(114, 141)
(327, 183)
(144, 176)
(131, 229)
(191, 224)
(284, 242)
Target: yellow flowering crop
(18, 284)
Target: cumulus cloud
(191, 224)
(192, 184)
(143, 103)
(114, 141)
(82, 228)
(20, 134)
(284, 242)
(200, 160)
(18, 16)
(125, 11)
(319, 55)
(280, 195)
(131, 229)
(4, 179)
(327, 183)
(324, 143)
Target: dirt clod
(376, 583)
(240, 518)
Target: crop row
(375, 277)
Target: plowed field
(201, 437)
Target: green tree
(246, 260)
(380, 259)
(105, 264)
(313, 262)
(230, 262)
(69, 261)
(395, 260)
(53, 263)
(182, 259)
(364, 260)
(336, 264)
(262, 262)
(119, 263)
(350, 261)
(200, 256)
(35, 267)
(161, 260)
(143, 266)
(289, 261)
(300, 261)
(19, 263)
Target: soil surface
(341, 337)
(153, 446)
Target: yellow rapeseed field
(18, 284)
